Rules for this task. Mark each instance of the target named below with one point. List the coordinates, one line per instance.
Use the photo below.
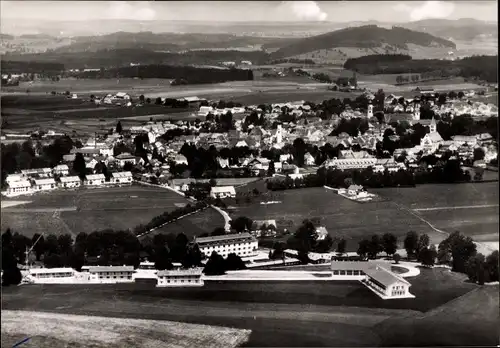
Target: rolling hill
(364, 37)
(465, 29)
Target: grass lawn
(194, 225)
(96, 209)
(477, 217)
(341, 217)
(278, 313)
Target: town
(310, 174)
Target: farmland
(87, 210)
(284, 313)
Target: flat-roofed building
(121, 178)
(20, 187)
(111, 274)
(70, 182)
(180, 277)
(95, 180)
(44, 184)
(241, 244)
(386, 284)
(350, 270)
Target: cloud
(131, 10)
(306, 10)
(429, 9)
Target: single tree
(234, 262)
(341, 246)
(396, 257)
(411, 243)
(119, 128)
(390, 243)
(79, 165)
(215, 265)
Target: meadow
(88, 210)
(342, 218)
(287, 313)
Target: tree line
(191, 74)
(476, 67)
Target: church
(431, 141)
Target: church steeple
(433, 126)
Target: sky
(240, 11)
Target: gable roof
(384, 276)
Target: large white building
(95, 180)
(121, 178)
(44, 184)
(180, 277)
(70, 182)
(61, 169)
(111, 274)
(241, 244)
(386, 284)
(20, 187)
(222, 192)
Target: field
(59, 330)
(88, 210)
(469, 208)
(341, 217)
(284, 313)
(193, 225)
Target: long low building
(241, 244)
(386, 284)
(111, 274)
(70, 182)
(180, 277)
(121, 178)
(20, 187)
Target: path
(460, 207)
(225, 215)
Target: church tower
(433, 126)
(369, 113)
(416, 112)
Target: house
(180, 159)
(90, 163)
(121, 178)
(386, 284)
(354, 189)
(464, 139)
(37, 173)
(88, 152)
(44, 184)
(241, 244)
(95, 180)
(321, 232)
(222, 192)
(61, 170)
(309, 159)
(180, 277)
(70, 182)
(124, 158)
(14, 177)
(19, 187)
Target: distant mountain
(465, 29)
(368, 36)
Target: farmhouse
(222, 192)
(70, 182)
(187, 277)
(61, 169)
(88, 152)
(44, 184)
(121, 178)
(111, 274)
(386, 284)
(241, 244)
(19, 187)
(95, 180)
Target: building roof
(66, 179)
(125, 155)
(36, 171)
(121, 175)
(383, 276)
(180, 272)
(355, 187)
(223, 189)
(20, 183)
(95, 177)
(350, 265)
(44, 181)
(99, 269)
(435, 137)
(224, 238)
(88, 150)
(61, 167)
(51, 270)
